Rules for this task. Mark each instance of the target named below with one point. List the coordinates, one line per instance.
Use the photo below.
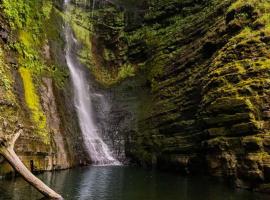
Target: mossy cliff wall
(209, 74)
(34, 88)
(205, 67)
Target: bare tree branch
(7, 143)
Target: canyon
(176, 85)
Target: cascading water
(98, 151)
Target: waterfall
(98, 151)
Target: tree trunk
(9, 154)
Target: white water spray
(98, 151)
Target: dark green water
(125, 183)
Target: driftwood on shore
(7, 142)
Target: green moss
(82, 25)
(242, 63)
(47, 8)
(33, 102)
(5, 168)
(5, 80)
(261, 8)
(17, 12)
(34, 24)
(125, 72)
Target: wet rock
(4, 35)
(214, 132)
(244, 129)
(252, 143)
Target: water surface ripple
(125, 183)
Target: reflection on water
(124, 183)
(88, 189)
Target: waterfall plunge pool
(125, 183)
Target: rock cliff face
(34, 88)
(205, 66)
(211, 97)
(187, 81)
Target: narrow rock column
(6, 150)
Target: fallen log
(7, 151)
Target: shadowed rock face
(206, 64)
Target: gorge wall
(204, 67)
(34, 88)
(187, 81)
